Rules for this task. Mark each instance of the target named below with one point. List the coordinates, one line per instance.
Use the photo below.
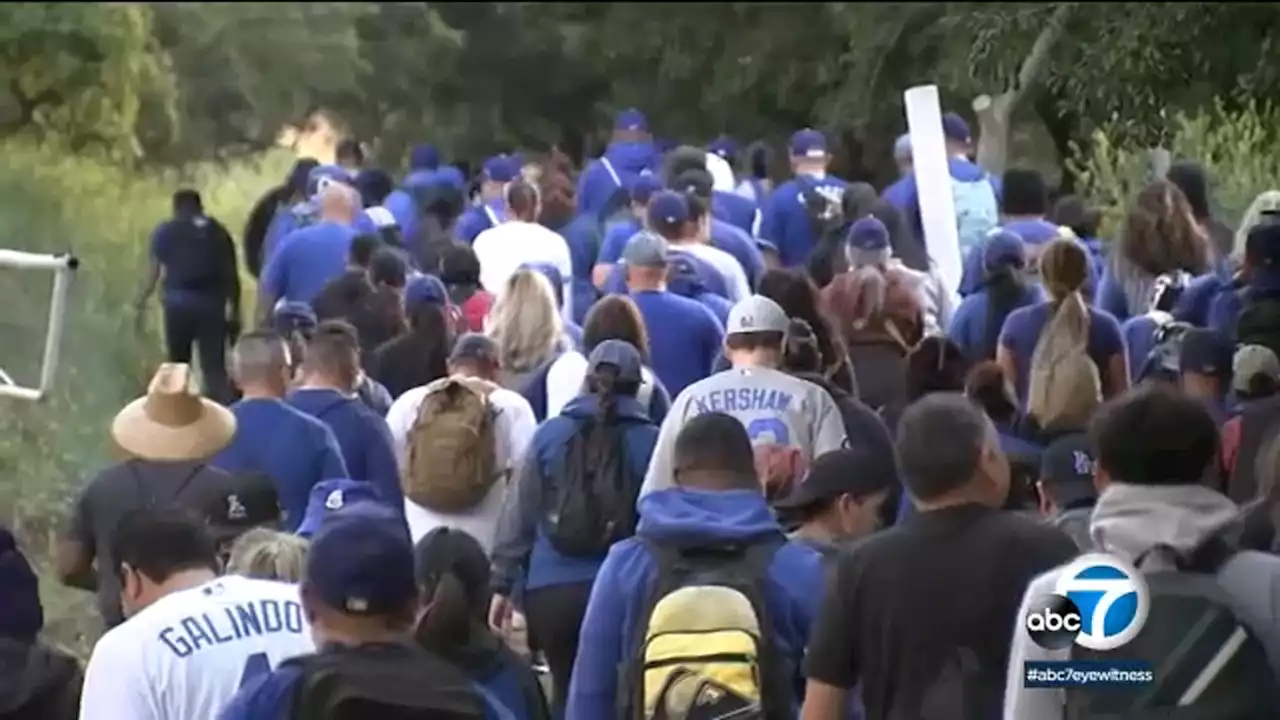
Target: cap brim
(145, 439)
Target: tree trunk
(994, 113)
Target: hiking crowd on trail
(651, 439)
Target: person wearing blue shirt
(905, 194)
(1064, 267)
(309, 258)
(281, 222)
(975, 326)
(716, 499)
(1071, 211)
(618, 233)
(454, 586)
(685, 280)
(424, 169)
(1023, 206)
(360, 598)
(685, 338)
(294, 449)
(630, 153)
(724, 236)
(785, 221)
(556, 583)
(326, 391)
(490, 210)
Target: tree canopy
(171, 82)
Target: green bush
(52, 202)
(1236, 148)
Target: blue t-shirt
(740, 245)
(1022, 331)
(362, 435)
(684, 337)
(307, 260)
(709, 278)
(785, 222)
(615, 241)
(294, 449)
(969, 322)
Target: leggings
(554, 616)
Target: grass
(51, 202)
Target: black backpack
(825, 211)
(1259, 320)
(1207, 662)
(387, 682)
(595, 503)
(199, 260)
(1161, 362)
(703, 644)
(438, 206)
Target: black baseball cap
(245, 501)
(1066, 469)
(858, 471)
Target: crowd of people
(651, 439)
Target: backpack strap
(608, 166)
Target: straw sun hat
(173, 422)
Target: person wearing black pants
(554, 617)
(193, 258)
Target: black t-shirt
(929, 601)
(136, 485)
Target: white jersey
(735, 277)
(185, 656)
(502, 249)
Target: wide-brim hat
(173, 422)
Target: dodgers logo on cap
(335, 501)
(1100, 602)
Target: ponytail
(449, 620)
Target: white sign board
(933, 183)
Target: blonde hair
(525, 321)
(268, 555)
(1267, 201)
(1064, 388)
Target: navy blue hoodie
(596, 185)
(363, 436)
(583, 237)
(792, 593)
(522, 545)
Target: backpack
(1166, 290)
(704, 645)
(824, 205)
(1208, 662)
(595, 504)
(452, 446)
(386, 682)
(977, 212)
(198, 258)
(1062, 374)
(1259, 320)
(1162, 360)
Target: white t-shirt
(734, 276)
(564, 382)
(186, 655)
(504, 248)
(513, 430)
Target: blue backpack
(977, 212)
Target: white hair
(268, 555)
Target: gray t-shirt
(773, 406)
(124, 488)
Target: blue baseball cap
(723, 146)
(620, 354)
(868, 234)
(668, 209)
(1004, 248)
(424, 156)
(645, 249)
(322, 176)
(631, 120)
(808, 143)
(424, 289)
(329, 496)
(955, 128)
(293, 315)
(500, 168)
(361, 561)
(643, 187)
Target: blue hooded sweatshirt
(791, 593)
(534, 390)
(734, 209)
(596, 185)
(307, 260)
(740, 245)
(785, 222)
(294, 449)
(522, 545)
(270, 697)
(582, 234)
(478, 218)
(363, 436)
(905, 196)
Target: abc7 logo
(1099, 603)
